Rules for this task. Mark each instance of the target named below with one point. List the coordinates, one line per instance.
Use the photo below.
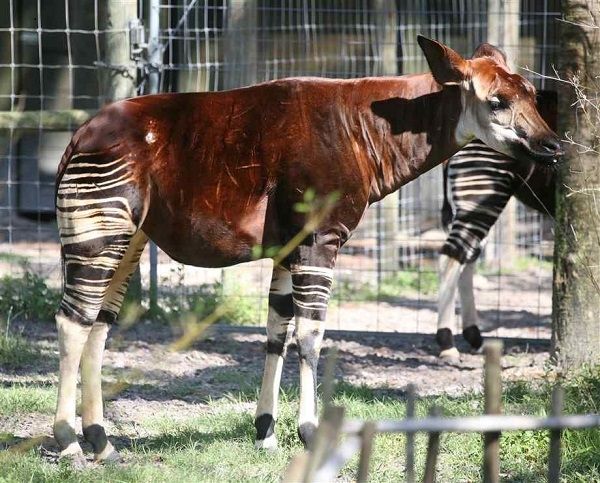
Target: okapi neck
(409, 134)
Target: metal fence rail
(65, 59)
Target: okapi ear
(488, 50)
(447, 66)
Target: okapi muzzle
(210, 176)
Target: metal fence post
(155, 60)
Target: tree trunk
(576, 300)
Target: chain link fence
(63, 59)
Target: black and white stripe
(97, 223)
(481, 182)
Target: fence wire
(56, 58)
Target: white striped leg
(470, 320)
(311, 290)
(449, 273)
(279, 332)
(72, 337)
(113, 300)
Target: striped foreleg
(449, 273)
(311, 289)
(279, 332)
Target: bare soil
(146, 378)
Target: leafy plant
(239, 309)
(28, 297)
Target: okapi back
(218, 173)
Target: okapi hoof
(450, 354)
(265, 433)
(76, 460)
(104, 451)
(306, 432)
(110, 456)
(268, 444)
(473, 336)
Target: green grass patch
(13, 258)
(392, 287)
(217, 445)
(16, 352)
(240, 309)
(520, 264)
(27, 398)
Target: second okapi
(209, 176)
(481, 182)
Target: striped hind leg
(279, 333)
(92, 413)
(87, 279)
(98, 211)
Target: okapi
(481, 182)
(209, 176)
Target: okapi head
(498, 106)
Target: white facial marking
(150, 137)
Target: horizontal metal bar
(65, 119)
(478, 424)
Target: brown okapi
(209, 176)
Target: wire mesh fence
(61, 61)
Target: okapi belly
(203, 242)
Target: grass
(241, 309)
(15, 351)
(400, 284)
(18, 399)
(520, 264)
(217, 445)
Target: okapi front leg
(470, 321)
(449, 272)
(279, 332)
(311, 288)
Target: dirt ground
(147, 378)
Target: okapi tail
(447, 214)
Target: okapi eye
(496, 103)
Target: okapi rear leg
(87, 281)
(449, 273)
(311, 289)
(72, 337)
(468, 311)
(92, 410)
(279, 332)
